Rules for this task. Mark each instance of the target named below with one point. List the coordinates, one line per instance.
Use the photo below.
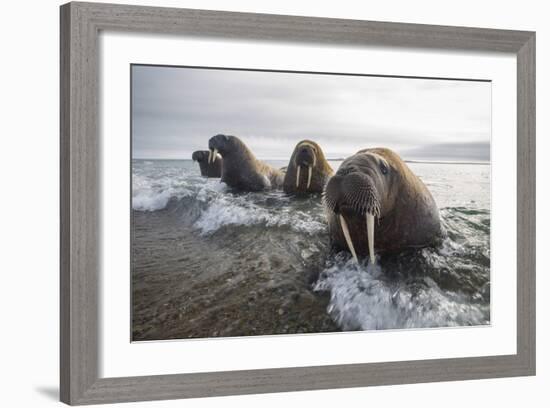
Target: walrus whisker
(309, 176)
(370, 237)
(297, 176)
(345, 230)
(329, 204)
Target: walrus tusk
(308, 177)
(370, 236)
(209, 156)
(345, 230)
(214, 154)
(297, 176)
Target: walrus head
(359, 193)
(200, 156)
(221, 144)
(305, 157)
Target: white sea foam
(361, 300)
(156, 197)
(240, 210)
(210, 188)
(151, 191)
(150, 200)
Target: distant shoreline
(447, 162)
(482, 163)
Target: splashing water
(373, 298)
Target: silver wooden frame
(80, 158)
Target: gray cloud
(176, 110)
(473, 151)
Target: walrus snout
(308, 170)
(353, 197)
(217, 141)
(305, 156)
(217, 144)
(352, 193)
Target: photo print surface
(267, 203)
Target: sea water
(208, 261)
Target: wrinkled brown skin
(409, 216)
(303, 156)
(240, 168)
(213, 170)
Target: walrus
(208, 167)
(240, 168)
(375, 203)
(308, 170)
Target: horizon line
(435, 161)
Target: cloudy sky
(176, 110)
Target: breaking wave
(231, 211)
(217, 206)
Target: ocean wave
(154, 193)
(151, 201)
(230, 210)
(216, 205)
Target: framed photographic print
(258, 203)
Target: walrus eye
(383, 168)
